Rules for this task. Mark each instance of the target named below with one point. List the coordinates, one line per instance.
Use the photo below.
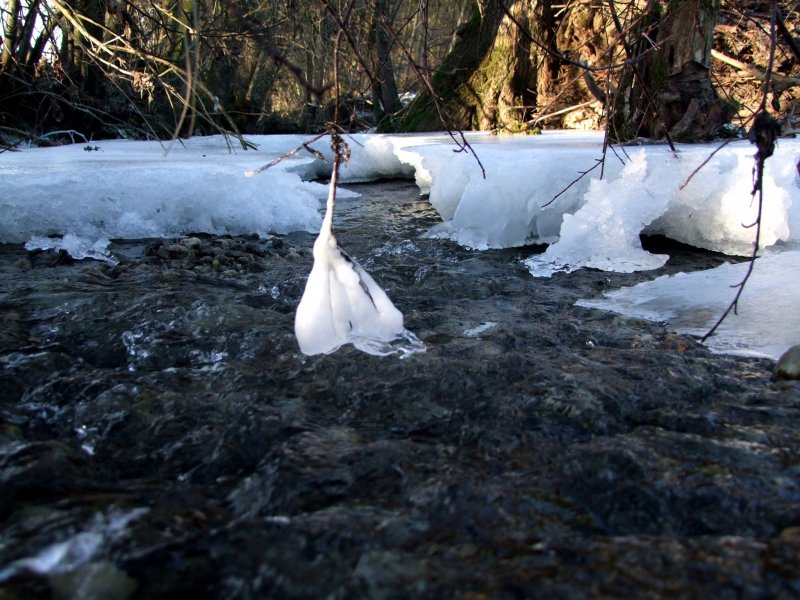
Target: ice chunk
(714, 209)
(767, 322)
(604, 233)
(134, 190)
(514, 204)
(77, 247)
(373, 157)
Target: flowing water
(162, 436)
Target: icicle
(342, 303)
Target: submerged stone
(93, 581)
(788, 366)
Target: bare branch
(780, 82)
(598, 162)
(289, 154)
(763, 134)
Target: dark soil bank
(161, 436)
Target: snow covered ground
(529, 194)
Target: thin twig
(704, 163)
(734, 305)
(598, 162)
(764, 133)
(285, 155)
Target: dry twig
(763, 134)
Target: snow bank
(136, 190)
(532, 192)
(767, 322)
(530, 195)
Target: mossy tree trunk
(671, 93)
(488, 81)
(495, 78)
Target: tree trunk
(384, 85)
(495, 77)
(544, 28)
(670, 93)
(424, 46)
(26, 35)
(37, 51)
(488, 81)
(9, 35)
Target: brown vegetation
(152, 68)
(158, 68)
(647, 65)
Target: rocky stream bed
(161, 436)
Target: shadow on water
(162, 435)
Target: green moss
(420, 115)
(521, 128)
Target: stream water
(162, 436)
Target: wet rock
(49, 258)
(392, 574)
(192, 242)
(22, 371)
(24, 264)
(94, 580)
(10, 433)
(178, 250)
(788, 366)
(16, 333)
(227, 256)
(614, 487)
(38, 471)
(316, 469)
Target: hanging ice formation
(342, 303)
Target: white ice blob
(342, 304)
(604, 232)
